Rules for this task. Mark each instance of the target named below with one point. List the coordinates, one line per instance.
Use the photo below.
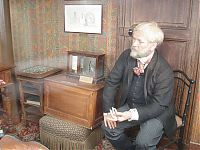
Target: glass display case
(86, 64)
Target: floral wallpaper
(39, 38)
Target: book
(33, 99)
(32, 102)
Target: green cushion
(63, 128)
(65, 135)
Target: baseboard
(194, 145)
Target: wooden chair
(183, 87)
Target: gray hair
(151, 31)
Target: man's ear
(153, 46)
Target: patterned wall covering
(39, 39)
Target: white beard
(139, 54)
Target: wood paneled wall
(6, 50)
(195, 136)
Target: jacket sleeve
(161, 97)
(113, 81)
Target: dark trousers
(147, 138)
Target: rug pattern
(28, 132)
(104, 145)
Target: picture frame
(85, 18)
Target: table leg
(7, 106)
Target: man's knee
(149, 134)
(143, 141)
(113, 134)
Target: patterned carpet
(104, 145)
(28, 132)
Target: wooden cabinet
(71, 100)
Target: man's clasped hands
(114, 116)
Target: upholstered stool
(57, 134)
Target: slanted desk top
(38, 71)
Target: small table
(31, 81)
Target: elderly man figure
(146, 82)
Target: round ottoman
(58, 134)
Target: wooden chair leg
(8, 109)
(180, 140)
(180, 144)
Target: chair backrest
(183, 86)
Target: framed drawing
(83, 18)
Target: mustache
(134, 49)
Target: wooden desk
(71, 100)
(5, 98)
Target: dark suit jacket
(158, 89)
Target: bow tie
(139, 70)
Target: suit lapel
(131, 65)
(149, 70)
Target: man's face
(141, 46)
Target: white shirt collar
(145, 60)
